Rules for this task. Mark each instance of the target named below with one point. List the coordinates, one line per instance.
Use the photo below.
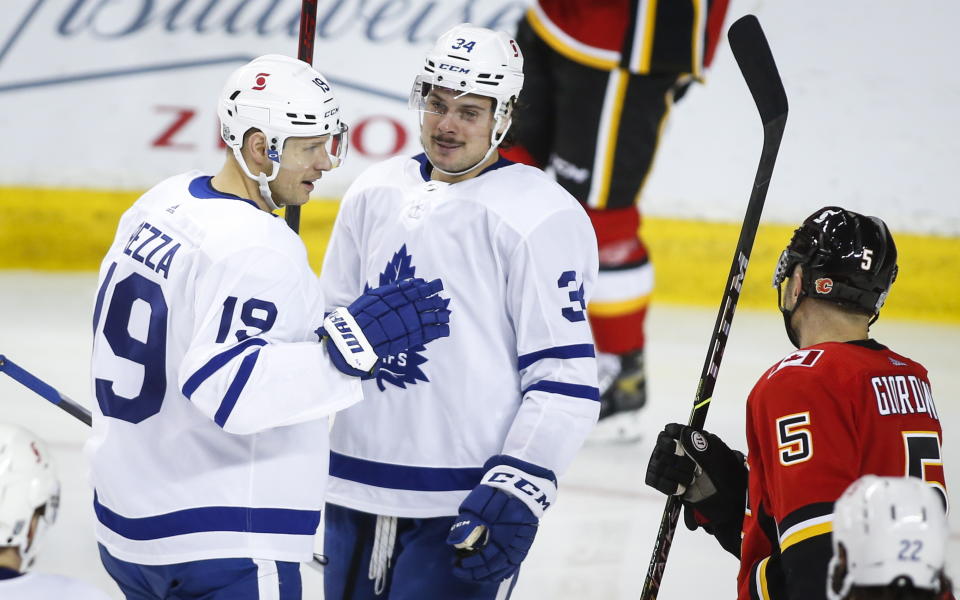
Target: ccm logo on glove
(524, 485)
(536, 492)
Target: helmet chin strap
(494, 144)
(788, 316)
(262, 180)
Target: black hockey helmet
(847, 258)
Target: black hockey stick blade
(756, 62)
(750, 48)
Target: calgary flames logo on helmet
(823, 285)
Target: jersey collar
(201, 187)
(6, 573)
(869, 344)
(426, 168)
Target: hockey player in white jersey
(889, 542)
(29, 499)
(440, 477)
(214, 367)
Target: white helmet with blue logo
(282, 97)
(474, 60)
(28, 482)
(887, 531)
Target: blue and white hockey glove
(385, 321)
(499, 519)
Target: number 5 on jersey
(924, 460)
(794, 440)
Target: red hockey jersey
(642, 36)
(816, 421)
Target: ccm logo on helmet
(261, 81)
(453, 68)
(823, 285)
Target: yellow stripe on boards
(70, 230)
(806, 534)
(692, 259)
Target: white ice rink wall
(119, 94)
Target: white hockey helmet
(282, 97)
(891, 529)
(474, 60)
(28, 481)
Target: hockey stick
(756, 62)
(46, 390)
(308, 34)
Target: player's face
(303, 162)
(456, 131)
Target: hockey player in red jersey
(841, 406)
(615, 68)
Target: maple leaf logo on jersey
(403, 368)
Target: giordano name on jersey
(903, 394)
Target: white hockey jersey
(210, 432)
(42, 586)
(518, 258)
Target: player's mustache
(444, 140)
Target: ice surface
(594, 543)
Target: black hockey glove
(710, 478)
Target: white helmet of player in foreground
(27, 483)
(473, 60)
(887, 531)
(282, 97)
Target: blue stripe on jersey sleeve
(233, 392)
(215, 363)
(587, 392)
(285, 521)
(571, 351)
(404, 477)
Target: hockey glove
(385, 321)
(499, 519)
(710, 478)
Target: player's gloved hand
(710, 478)
(499, 519)
(385, 321)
